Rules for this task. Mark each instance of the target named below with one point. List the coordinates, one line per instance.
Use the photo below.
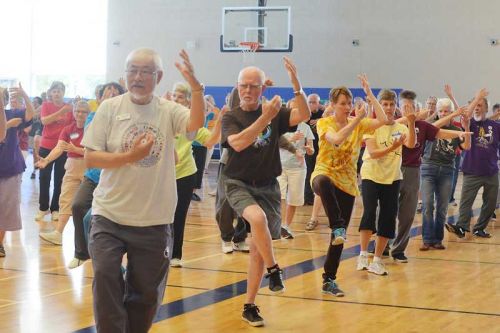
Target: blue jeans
(436, 184)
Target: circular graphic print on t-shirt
(137, 129)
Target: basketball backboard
(269, 26)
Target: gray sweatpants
(408, 198)
(128, 304)
(470, 186)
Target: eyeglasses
(244, 86)
(141, 72)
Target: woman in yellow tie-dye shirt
(334, 177)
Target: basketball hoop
(248, 49)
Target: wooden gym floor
(456, 290)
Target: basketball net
(248, 51)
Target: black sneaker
(275, 276)
(482, 234)
(2, 251)
(251, 315)
(195, 197)
(454, 229)
(331, 287)
(400, 257)
(33, 175)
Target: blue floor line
(195, 302)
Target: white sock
(363, 253)
(377, 259)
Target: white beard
(478, 117)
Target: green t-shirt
(187, 166)
(442, 152)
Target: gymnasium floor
(456, 290)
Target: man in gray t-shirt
(132, 140)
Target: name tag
(125, 116)
(74, 136)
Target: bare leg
(261, 237)
(61, 223)
(365, 239)
(255, 272)
(380, 244)
(290, 213)
(2, 236)
(317, 206)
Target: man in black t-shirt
(251, 133)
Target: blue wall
(219, 93)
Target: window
(46, 40)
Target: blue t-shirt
(93, 174)
(11, 158)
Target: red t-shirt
(73, 134)
(425, 132)
(50, 133)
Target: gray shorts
(268, 197)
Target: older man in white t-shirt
(132, 140)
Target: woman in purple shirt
(12, 165)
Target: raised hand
(365, 85)
(409, 112)
(187, 70)
(447, 90)
(271, 108)
(292, 73)
(399, 142)
(360, 110)
(141, 146)
(482, 93)
(269, 82)
(423, 114)
(465, 121)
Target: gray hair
(146, 52)
(314, 95)
(183, 88)
(445, 102)
(253, 69)
(81, 104)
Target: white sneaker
(41, 214)
(241, 247)
(75, 262)
(227, 247)
(55, 216)
(54, 237)
(175, 262)
(362, 263)
(377, 268)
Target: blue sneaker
(330, 287)
(338, 236)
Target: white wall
(411, 44)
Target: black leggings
(185, 187)
(200, 157)
(387, 195)
(45, 178)
(338, 207)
